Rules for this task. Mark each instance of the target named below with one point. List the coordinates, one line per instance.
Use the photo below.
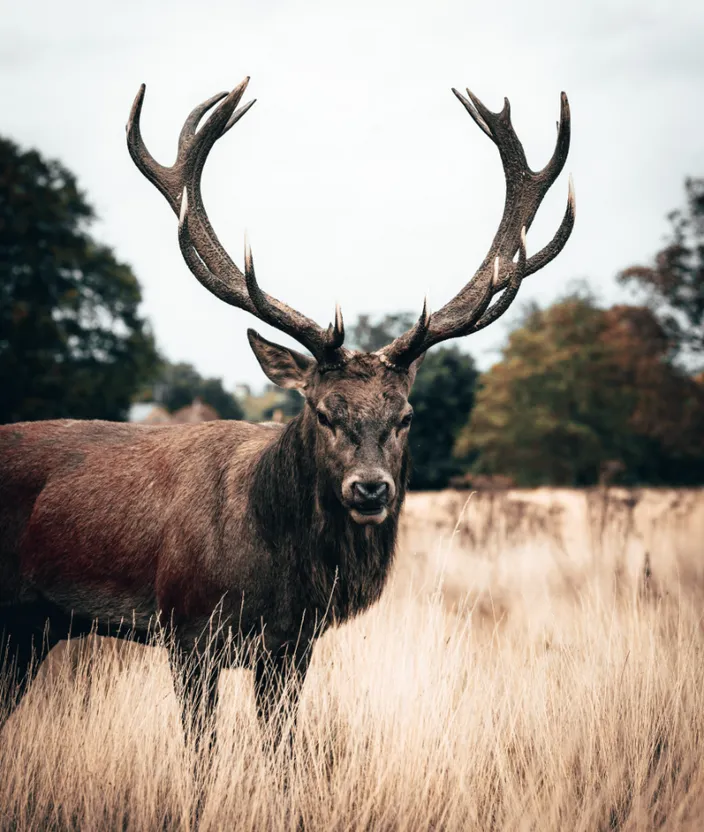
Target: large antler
(470, 311)
(201, 249)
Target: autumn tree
(72, 340)
(580, 387)
(673, 284)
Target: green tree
(442, 398)
(674, 283)
(177, 385)
(288, 402)
(369, 333)
(72, 341)
(580, 387)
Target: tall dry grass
(537, 663)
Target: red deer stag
(104, 523)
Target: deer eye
(406, 421)
(323, 420)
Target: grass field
(536, 663)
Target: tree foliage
(442, 398)
(674, 282)
(178, 385)
(289, 404)
(72, 341)
(580, 387)
(370, 333)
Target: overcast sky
(357, 174)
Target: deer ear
(283, 366)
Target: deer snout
(368, 494)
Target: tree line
(582, 392)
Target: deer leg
(196, 679)
(278, 680)
(26, 637)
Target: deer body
(115, 527)
(181, 539)
(277, 530)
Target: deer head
(357, 410)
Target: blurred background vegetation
(582, 394)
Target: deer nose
(371, 492)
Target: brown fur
(129, 524)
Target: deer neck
(342, 565)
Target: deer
(282, 530)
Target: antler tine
(230, 291)
(336, 331)
(415, 339)
(562, 235)
(237, 115)
(472, 110)
(420, 330)
(270, 310)
(199, 244)
(497, 309)
(255, 293)
(554, 247)
(157, 174)
(190, 125)
(469, 310)
(564, 129)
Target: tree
(667, 403)
(442, 398)
(369, 334)
(72, 341)
(177, 385)
(580, 387)
(674, 283)
(289, 404)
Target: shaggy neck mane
(342, 564)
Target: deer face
(359, 416)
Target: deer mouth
(368, 515)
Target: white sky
(357, 174)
